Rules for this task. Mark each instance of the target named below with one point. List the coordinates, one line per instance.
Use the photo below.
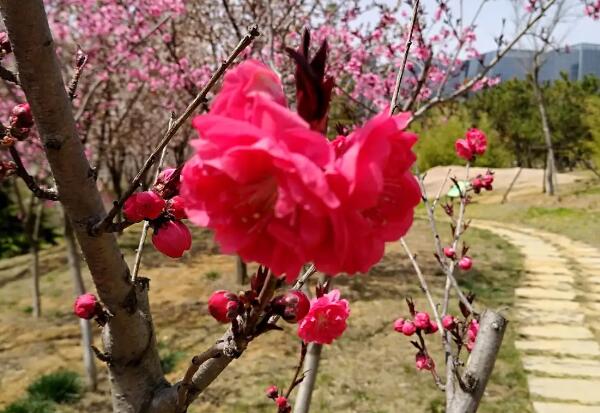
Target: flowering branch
(21, 172)
(394, 104)
(466, 87)
(105, 224)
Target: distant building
(576, 61)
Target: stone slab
(560, 346)
(551, 305)
(565, 366)
(557, 331)
(579, 390)
(543, 407)
(534, 317)
(545, 293)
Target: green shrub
(60, 387)
(30, 405)
(169, 359)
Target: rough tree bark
(468, 391)
(87, 338)
(129, 340)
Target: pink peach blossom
(463, 149)
(477, 141)
(326, 319)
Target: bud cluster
(283, 406)
(483, 182)
(164, 208)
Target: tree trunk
(479, 366)
(35, 262)
(311, 368)
(129, 339)
(87, 338)
(241, 270)
(550, 174)
(510, 187)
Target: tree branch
(29, 180)
(104, 224)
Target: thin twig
(171, 131)
(468, 85)
(29, 180)
(295, 381)
(396, 95)
(140, 249)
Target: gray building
(576, 61)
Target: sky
(578, 29)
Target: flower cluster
(164, 208)
(483, 182)
(278, 193)
(465, 263)
(473, 144)
(421, 322)
(283, 406)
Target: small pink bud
(424, 362)
(272, 392)
(432, 328)
(86, 306)
(448, 322)
(477, 184)
(21, 117)
(408, 329)
(281, 402)
(172, 238)
(398, 324)
(422, 320)
(465, 263)
(473, 330)
(218, 305)
(176, 207)
(5, 46)
(449, 252)
(291, 306)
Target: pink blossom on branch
(326, 319)
(172, 238)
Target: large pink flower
(258, 176)
(377, 192)
(326, 319)
(242, 86)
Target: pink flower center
(258, 200)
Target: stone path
(558, 319)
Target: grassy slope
(371, 369)
(574, 213)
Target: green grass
(30, 405)
(59, 387)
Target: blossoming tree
(269, 184)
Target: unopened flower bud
(281, 402)
(448, 322)
(398, 324)
(432, 328)
(218, 305)
(449, 252)
(424, 362)
(291, 306)
(408, 328)
(422, 320)
(21, 117)
(465, 263)
(272, 392)
(86, 306)
(5, 46)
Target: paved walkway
(558, 319)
